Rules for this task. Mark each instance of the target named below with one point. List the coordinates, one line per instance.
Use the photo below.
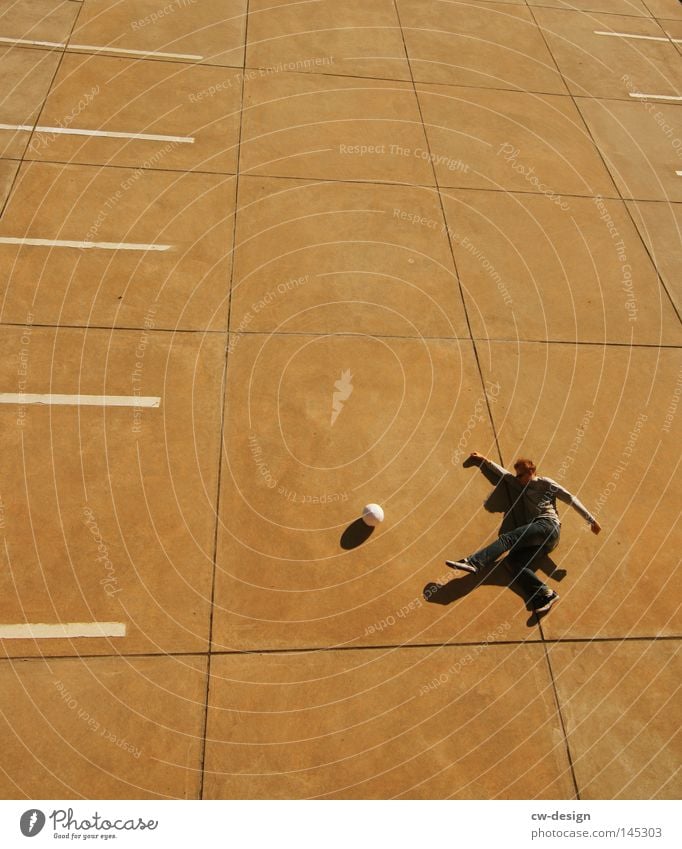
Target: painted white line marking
(40, 631)
(34, 43)
(62, 243)
(655, 96)
(81, 400)
(633, 35)
(99, 49)
(679, 173)
(110, 134)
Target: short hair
(526, 464)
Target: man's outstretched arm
(568, 498)
(491, 470)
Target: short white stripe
(81, 400)
(35, 43)
(679, 173)
(99, 48)
(66, 629)
(655, 96)
(62, 243)
(633, 35)
(72, 131)
(134, 52)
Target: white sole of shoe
(547, 606)
(458, 564)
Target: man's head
(525, 470)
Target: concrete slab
(109, 512)
(27, 75)
(344, 664)
(665, 9)
(622, 7)
(510, 140)
(211, 32)
(335, 128)
(354, 38)
(372, 724)
(618, 703)
(660, 225)
(102, 728)
(194, 111)
(8, 172)
(318, 427)
(602, 422)
(641, 144)
(673, 29)
(37, 20)
(496, 45)
(114, 287)
(343, 257)
(606, 65)
(534, 268)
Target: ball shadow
(355, 534)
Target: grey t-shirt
(539, 495)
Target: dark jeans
(520, 562)
(524, 544)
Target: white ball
(372, 515)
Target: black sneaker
(462, 564)
(542, 603)
(471, 461)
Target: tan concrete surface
(493, 45)
(660, 225)
(623, 7)
(102, 728)
(673, 29)
(335, 128)
(69, 285)
(210, 30)
(109, 511)
(593, 64)
(620, 703)
(27, 75)
(510, 140)
(340, 257)
(299, 725)
(37, 20)
(293, 482)
(421, 269)
(595, 420)
(187, 102)
(535, 267)
(665, 9)
(641, 144)
(8, 172)
(355, 37)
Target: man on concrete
(540, 534)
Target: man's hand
(474, 459)
(595, 527)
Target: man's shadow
(498, 575)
